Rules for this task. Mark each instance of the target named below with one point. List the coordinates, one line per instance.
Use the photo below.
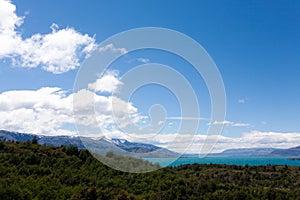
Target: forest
(31, 171)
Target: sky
(255, 45)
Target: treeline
(31, 171)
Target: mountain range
(246, 152)
(295, 151)
(141, 150)
(99, 146)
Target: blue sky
(255, 45)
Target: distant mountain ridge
(134, 146)
(238, 152)
(100, 146)
(42, 139)
(247, 152)
(295, 151)
(125, 147)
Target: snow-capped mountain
(100, 146)
(134, 146)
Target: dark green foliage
(31, 171)
(128, 164)
(34, 140)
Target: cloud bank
(49, 111)
(252, 139)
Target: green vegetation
(31, 171)
(127, 164)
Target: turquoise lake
(243, 160)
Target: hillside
(31, 171)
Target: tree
(34, 140)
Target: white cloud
(244, 100)
(49, 109)
(161, 122)
(106, 112)
(253, 139)
(262, 139)
(193, 143)
(229, 123)
(109, 82)
(112, 48)
(240, 125)
(9, 19)
(58, 51)
(187, 118)
(9, 38)
(143, 60)
(43, 111)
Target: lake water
(243, 160)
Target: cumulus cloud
(58, 51)
(109, 82)
(48, 110)
(43, 111)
